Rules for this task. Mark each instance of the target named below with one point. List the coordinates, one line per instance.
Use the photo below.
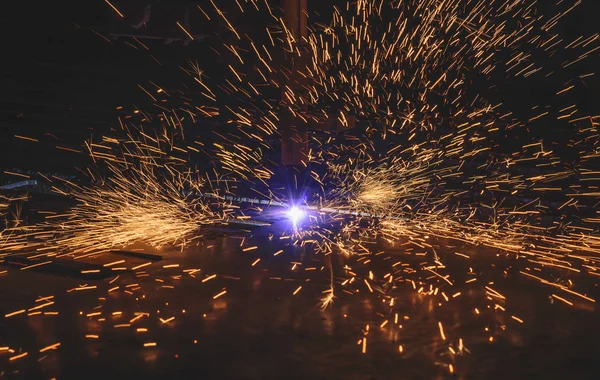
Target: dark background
(62, 81)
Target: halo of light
(295, 214)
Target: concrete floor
(259, 329)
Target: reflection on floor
(224, 309)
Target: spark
(114, 8)
(186, 32)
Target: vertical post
(294, 138)
(296, 19)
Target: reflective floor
(214, 311)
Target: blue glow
(295, 214)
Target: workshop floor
(171, 319)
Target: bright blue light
(295, 214)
